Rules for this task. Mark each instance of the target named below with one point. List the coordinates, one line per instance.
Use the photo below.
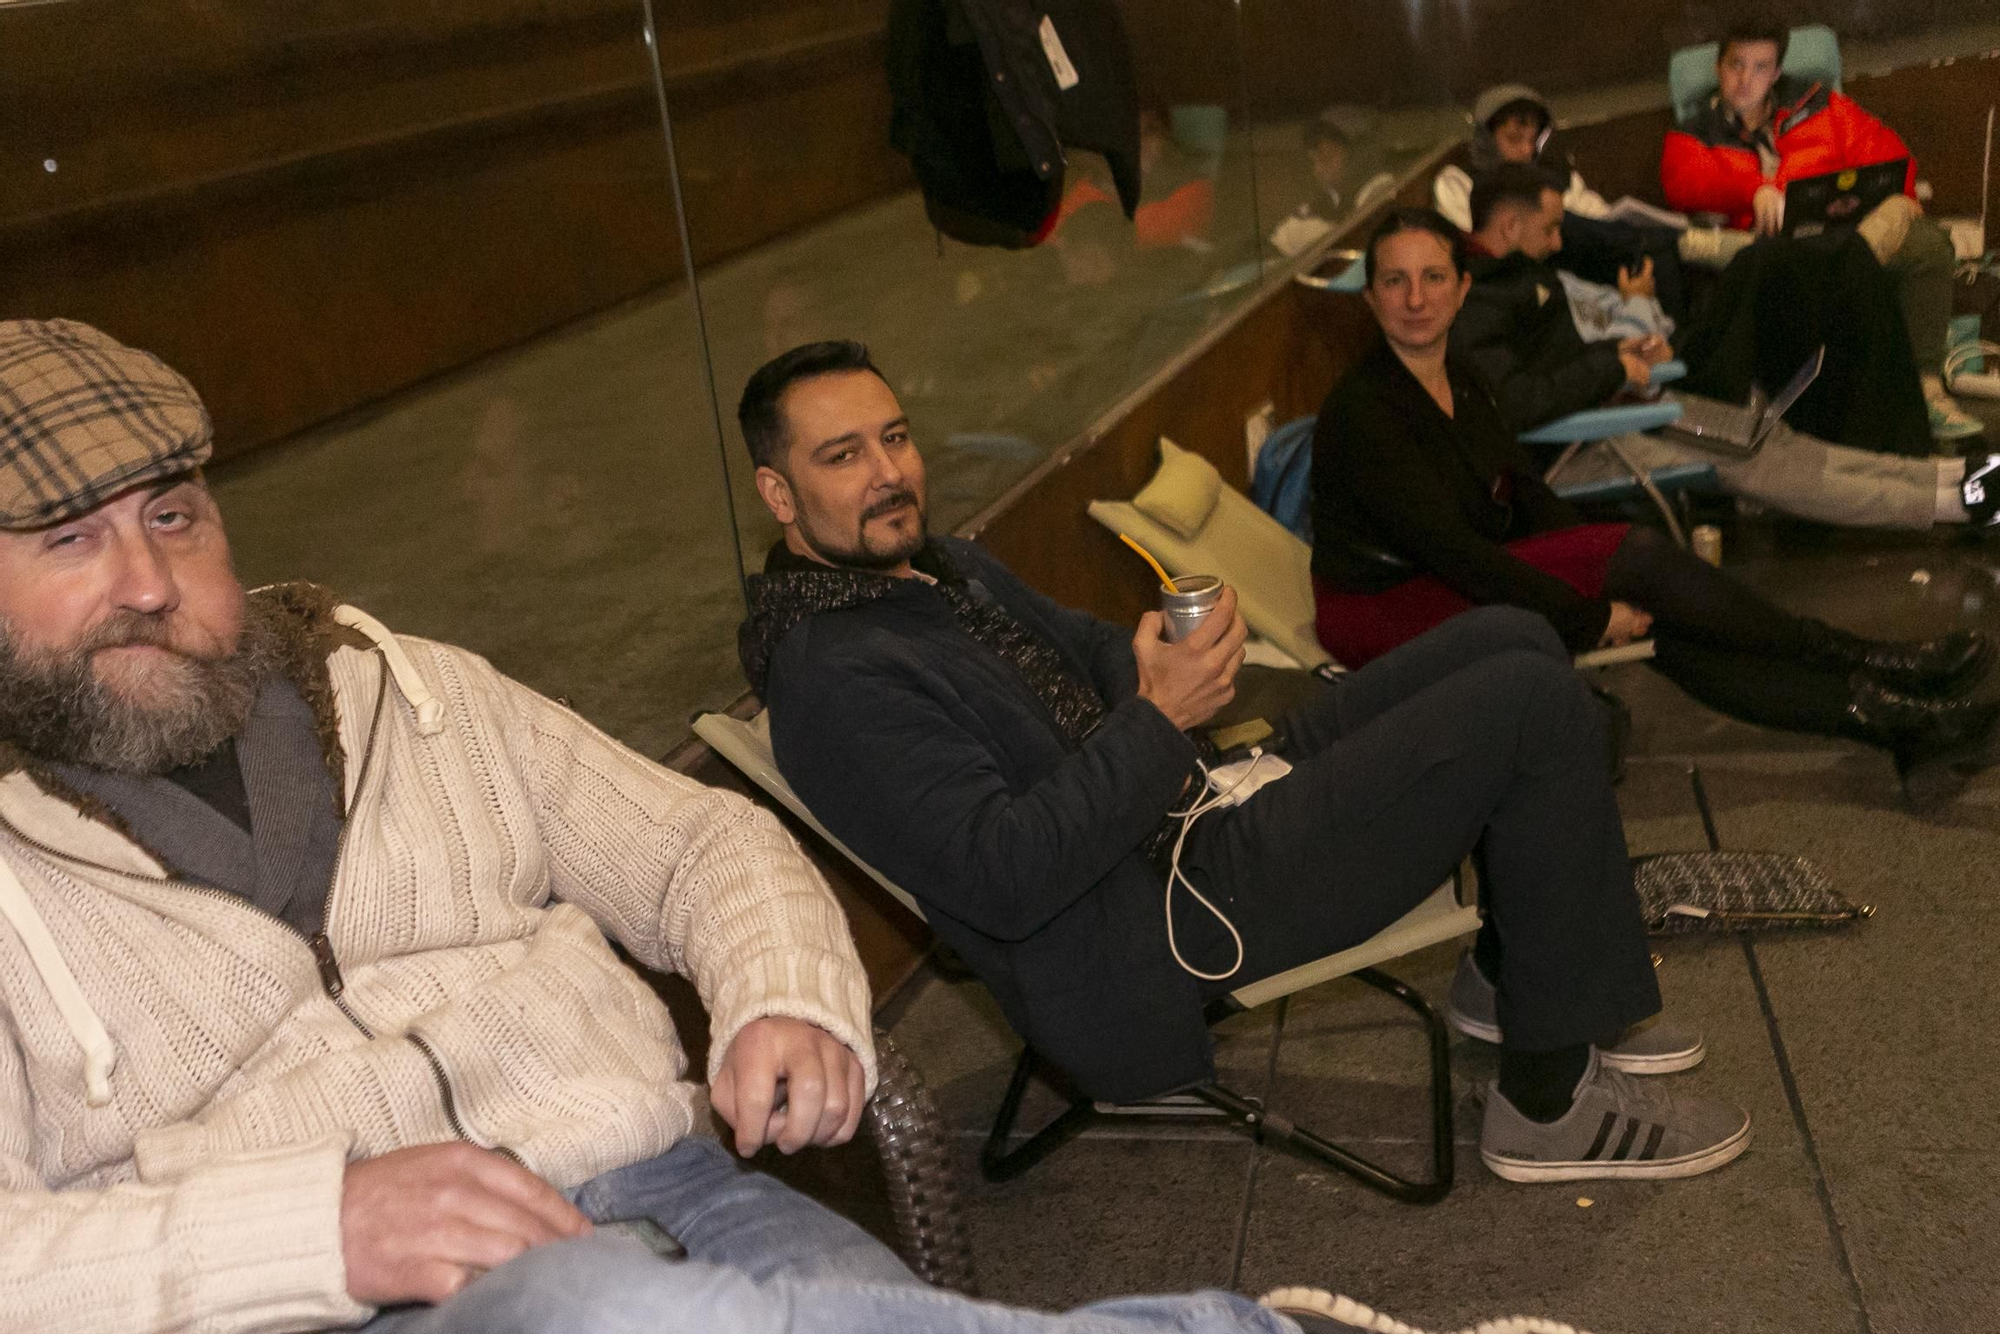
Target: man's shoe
(1317, 1311)
(1659, 1046)
(1936, 743)
(1617, 1127)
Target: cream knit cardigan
(483, 861)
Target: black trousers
(1477, 736)
(1722, 643)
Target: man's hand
(1638, 370)
(418, 1224)
(1649, 348)
(789, 1083)
(1627, 623)
(1190, 681)
(1632, 284)
(1768, 206)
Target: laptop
(1724, 428)
(1841, 198)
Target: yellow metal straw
(1166, 580)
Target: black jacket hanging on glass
(987, 93)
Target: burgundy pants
(1359, 627)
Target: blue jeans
(761, 1259)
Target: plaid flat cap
(83, 417)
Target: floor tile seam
(1808, 1144)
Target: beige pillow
(1182, 493)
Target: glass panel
(422, 263)
(807, 226)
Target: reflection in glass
(1000, 356)
(398, 251)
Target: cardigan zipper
(450, 1100)
(321, 942)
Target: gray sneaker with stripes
(1617, 1127)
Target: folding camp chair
(1195, 523)
(1441, 917)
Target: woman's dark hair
(1414, 220)
(1757, 28)
(757, 411)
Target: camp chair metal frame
(1443, 916)
(998, 1162)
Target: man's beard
(54, 706)
(863, 555)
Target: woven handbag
(1683, 892)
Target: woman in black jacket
(1424, 504)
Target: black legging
(1726, 646)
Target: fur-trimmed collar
(300, 615)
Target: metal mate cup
(1187, 604)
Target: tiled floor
(1866, 1056)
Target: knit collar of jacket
(301, 617)
(794, 588)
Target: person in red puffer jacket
(1763, 129)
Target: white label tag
(1052, 47)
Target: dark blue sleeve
(897, 770)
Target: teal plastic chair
(1594, 424)
(1812, 53)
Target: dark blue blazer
(933, 759)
